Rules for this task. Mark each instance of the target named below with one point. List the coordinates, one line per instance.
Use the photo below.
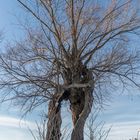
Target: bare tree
(40, 132)
(96, 129)
(78, 52)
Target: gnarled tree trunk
(79, 118)
(54, 121)
(81, 101)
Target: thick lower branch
(54, 122)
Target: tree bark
(79, 118)
(54, 121)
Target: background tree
(95, 129)
(77, 51)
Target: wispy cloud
(15, 129)
(15, 122)
(123, 130)
(124, 114)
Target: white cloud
(15, 129)
(123, 130)
(7, 133)
(15, 122)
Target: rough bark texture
(79, 118)
(77, 100)
(54, 121)
(81, 101)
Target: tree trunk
(79, 118)
(54, 121)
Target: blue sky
(123, 112)
(7, 11)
